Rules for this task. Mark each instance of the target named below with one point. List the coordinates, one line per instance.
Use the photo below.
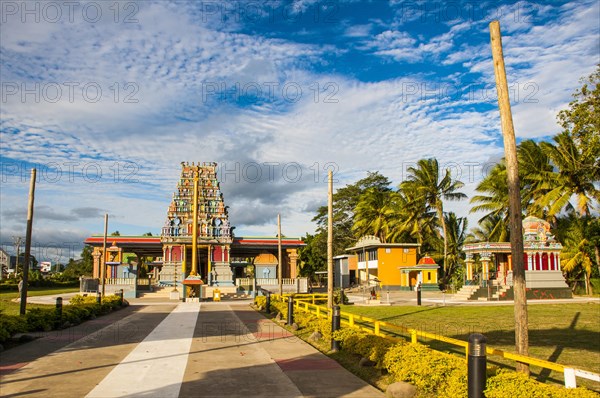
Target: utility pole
(17, 243)
(516, 227)
(330, 241)
(28, 242)
(279, 266)
(103, 270)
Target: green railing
(308, 303)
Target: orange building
(392, 265)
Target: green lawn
(9, 307)
(568, 334)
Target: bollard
(476, 365)
(419, 294)
(335, 325)
(58, 311)
(268, 305)
(120, 295)
(290, 319)
(98, 298)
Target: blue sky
(106, 99)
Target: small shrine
(113, 260)
(490, 264)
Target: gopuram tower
(196, 236)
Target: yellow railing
(306, 302)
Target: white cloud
(315, 118)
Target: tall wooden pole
(516, 227)
(194, 270)
(103, 264)
(330, 241)
(28, 242)
(279, 262)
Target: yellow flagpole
(194, 271)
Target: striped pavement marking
(157, 364)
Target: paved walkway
(176, 350)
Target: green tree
(576, 256)
(576, 151)
(116, 233)
(374, 213)
(312, 257)
(457, 234)
(84, 266)
(493, 199)
(575, 175)
(434, 187)
(345, 201)
(415, 222)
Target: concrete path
(176, 350)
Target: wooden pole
(279, 262)
(103, 264)
(516, 227)
(330, 241)
(23, 306)
(194, 270)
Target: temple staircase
(466, 293)
(161, 292)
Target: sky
(106, 99)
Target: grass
(568, 334)
(9, 307)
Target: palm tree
(536, 177)
(491, 228)
(414, 221)
(575, 175)
(494, 201)
(373, 213)
(457, 234)
(575, 257)
(426, 182)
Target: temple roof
(426, 260)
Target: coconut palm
(457, 234)
(575, 174)
(575, 257)
(490, 229)
(414, 222)
(536, 177)
(430, 186)
(373, 213)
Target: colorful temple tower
(197, 236)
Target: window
(388, 250)
(372, 255)
(429, 276)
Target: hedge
(46, 319)
(434, 373)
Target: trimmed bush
(46, 319)
(508, 384)
(40, 319)
(279, 306)
(10, 325)
(303, 319)
(434, 373)
(260, 301)
(430, 371)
